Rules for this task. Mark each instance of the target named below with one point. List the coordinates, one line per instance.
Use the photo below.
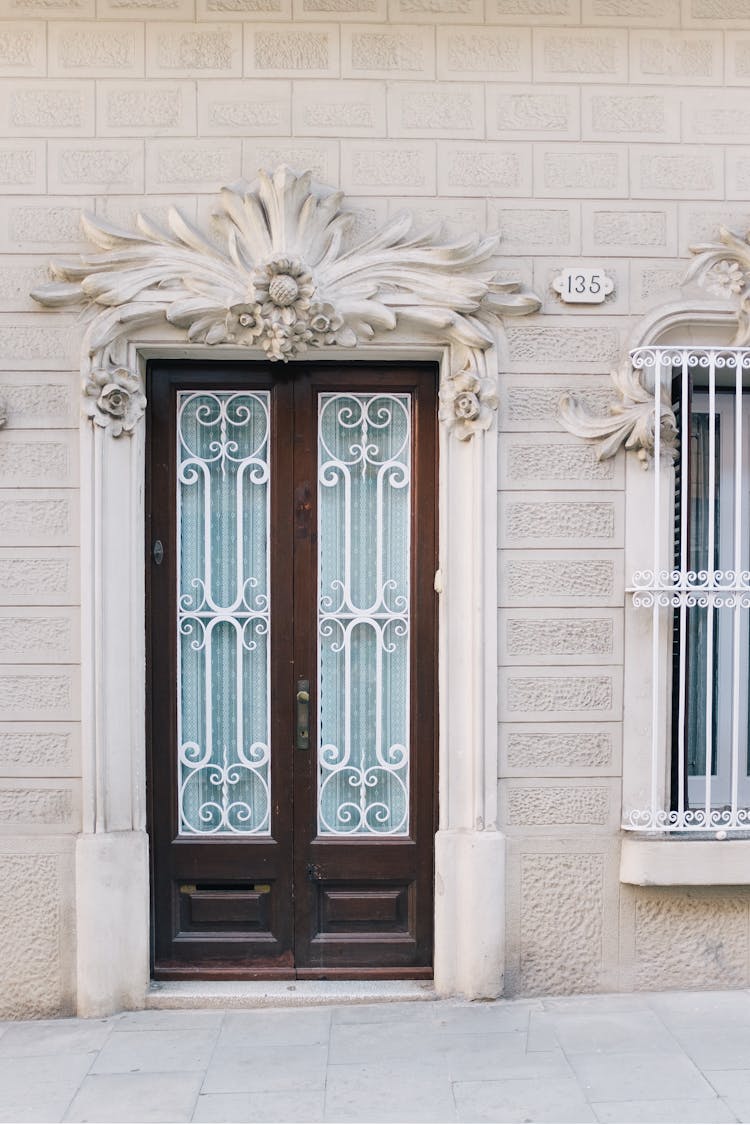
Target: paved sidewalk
(658, 1057)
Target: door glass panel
(223, 612)
(364, 504)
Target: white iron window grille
(364, 553)
(698, 592)
(223, 708)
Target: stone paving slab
(651, 1057)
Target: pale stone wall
(608, 132)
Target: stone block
(674, 171)
(578, 693)
(560, 749)
(23, 48)
(580, 55)
(435, 11)
(39, 458)
(244, 9)
(561, 578)
(41, 401)
(127, 109)
(96, 50)
(614, 114)
(34, 635)
(547, 806)
(701, 224)
(523, 229)
(147, 10)
(379, 51)
(36, 342)
(563, 916)
(458, 217)
(297, 51)
(39, 749)
(95, 166)
(655, 283)
(39, 807)
(48, 9)
(544, 347)
(404, 167)
(348, 109)
(194, 165)
(349, 10)
(719, 117)
(533, 112)
(40, 692)
(560, 636)
(484, 168)
(38, 925)
(616, 269)
(528, 12)
(560, 170)
(556, 461)
(35, 576)
(321, 157)
(738, 172)
(19, 274)
(484, 53)
(695, 938)
(33, 518)
(716, 13)
(642, 229)
(435, 110)
(46, 224)
(187, 50)
(630, 13)
(738, 57)
(692, 58)
(23, 167)
(530, 403)
(259, 108)
(42, 109)
(572, 519)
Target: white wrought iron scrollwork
(364, 485)
(281, 278)
(223, 613)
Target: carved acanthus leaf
(3, 413)
(723, 267)
(631, 420)
(281, 278)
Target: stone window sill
(684, 863)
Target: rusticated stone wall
(607, 132)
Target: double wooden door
(291, 627)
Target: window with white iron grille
(697, 591)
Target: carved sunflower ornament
(280, 277)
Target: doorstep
(284, 994)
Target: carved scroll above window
(280, 278)
(632, 416)
(723, 268)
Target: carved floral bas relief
(281, 277)
(722, 268)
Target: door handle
(302, 737)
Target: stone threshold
(284, 994)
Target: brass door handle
(302, 737)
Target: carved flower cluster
(468, 401)
(114, 399)
(279, 312)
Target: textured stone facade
(609, 133)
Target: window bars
(698, 591)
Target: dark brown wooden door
(291, 837)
